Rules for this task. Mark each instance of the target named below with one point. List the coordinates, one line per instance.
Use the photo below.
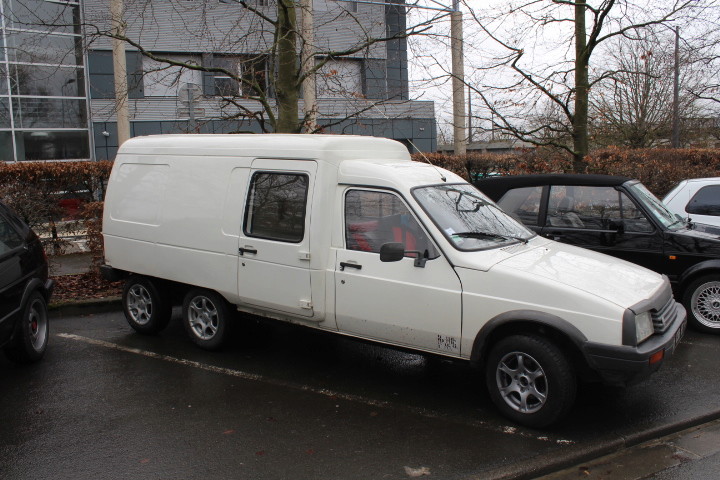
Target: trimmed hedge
(659, 169)
(46, 194)
(50, 196)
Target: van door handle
(243, 251)
(351, 265)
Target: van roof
(331, 148)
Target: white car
(697, 198)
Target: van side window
(276, 206)
(374, 218)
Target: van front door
(274, 244)
(401, 302)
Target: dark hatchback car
(618, 216)
(25, 290)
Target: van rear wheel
(147, 310)
(206, 316)
(530, 380)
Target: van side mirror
(395, 251)
(392, 252)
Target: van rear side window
(276, 206)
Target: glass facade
(43, 101)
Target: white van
(347, 234)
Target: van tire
(31, 331)
(206, 316)
(146, 308)
(530, 380)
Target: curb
(557, 461)
(86, 307)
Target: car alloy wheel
(705, 304)
(38, 323)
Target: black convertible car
(620, 217)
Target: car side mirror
(618, 225)
(392, 252)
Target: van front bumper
(625, 365)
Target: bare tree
(536, 68)
(633, 106)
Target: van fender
(523, 319)
(701, 268)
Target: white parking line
(306, 388)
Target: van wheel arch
(554, 329)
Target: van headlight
(643, 326)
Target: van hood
(618, 281)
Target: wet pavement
(284, 402)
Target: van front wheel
(147, 310)
(530, 380)
(206, 316)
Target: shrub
(39, 191)
(659, 168)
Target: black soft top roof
(495, 187)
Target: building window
(335, 6)
(251, 70)
(43, 99)
(340, 78)
(161, 79)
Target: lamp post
(458, 79)
(675, 137)
(120, 70)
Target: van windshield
(469, 219)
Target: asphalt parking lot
(287, 402)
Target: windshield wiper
(489, 235)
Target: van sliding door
(274, 244)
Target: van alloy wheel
(206, 315)
(203, 317)
(522, 382)
(146, 305)
(530, 379)
(139, 304)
